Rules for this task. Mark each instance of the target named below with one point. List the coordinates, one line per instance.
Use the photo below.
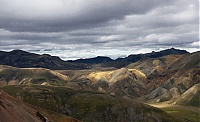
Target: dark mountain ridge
(95, 60)
(23, 59)
(122, 62)
(153, 54)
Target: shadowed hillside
(86, 105)
(12, 109)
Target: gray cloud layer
(87, 28)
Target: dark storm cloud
(86, 28)
(91, 13)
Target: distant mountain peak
(95, 60)
(18, 51)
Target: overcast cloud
(75, 29)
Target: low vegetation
(87, 105)
(25, 76)
(179, 112)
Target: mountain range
(102, 89)
(23, 59)
(103, 61)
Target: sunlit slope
(21, 76)
(121, 82)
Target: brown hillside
(27, 76)
(13, 110)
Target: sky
(73, 29)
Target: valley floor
(179, 112)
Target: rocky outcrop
(190, 97)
